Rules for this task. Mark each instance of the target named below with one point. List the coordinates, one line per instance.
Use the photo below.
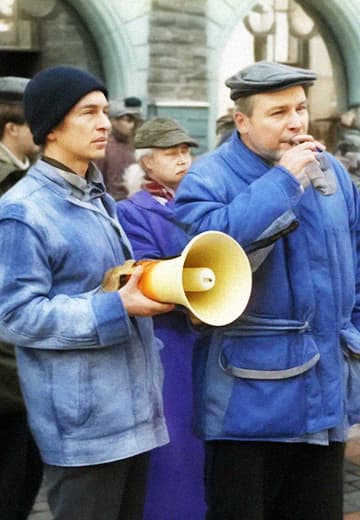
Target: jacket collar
(145, 200)
(247, 164)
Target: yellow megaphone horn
(212, 278)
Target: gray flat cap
(265, 76)
(12, 88)
(162, 132)
(118, 108)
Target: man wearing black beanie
(87, 359)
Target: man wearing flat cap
(17, 148)
(276, 390)
(175, 481)
(87, 357)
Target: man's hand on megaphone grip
(303, 151)
(135, 303)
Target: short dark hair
(11, 113)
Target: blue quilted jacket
(290, 366)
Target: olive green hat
(162, 132)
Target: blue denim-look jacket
(91, 377)
(290, 366)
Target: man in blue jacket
(276, 390)
(88, 360)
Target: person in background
(175, 483)
(224, 127)
(347, 149)
(20, 462)
(277, 389)
(119, 153)
(17, 148)
(87, 357)
(135, 103)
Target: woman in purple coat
(175, 482)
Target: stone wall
(178, 55)
(65, 39)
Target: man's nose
(295, 120)
(104, 121)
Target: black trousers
(20, 467)
(274, 481)
(112, 491)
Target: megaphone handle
(116, 277)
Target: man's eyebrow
(284, 105)
(92, 105)
(277, 107)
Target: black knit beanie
(52, 93)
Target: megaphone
(211, 278)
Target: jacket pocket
(70, 391)
(350, 340)
(269, 361)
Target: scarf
(158, 190)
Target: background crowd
(106, 186)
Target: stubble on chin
(272, 156)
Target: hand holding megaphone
(135, 302)
(211, 278)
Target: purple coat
(175, 483)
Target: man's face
(168, 165)
(82, 135)
(276, 118)
(124, 125)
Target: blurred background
(175, 54)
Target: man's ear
(51, 137)
(241, 122)
(11, 128)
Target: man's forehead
(290, 96)
(96, 97)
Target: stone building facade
(169, 52)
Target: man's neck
(80, 167)
(57, 164)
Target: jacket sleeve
(31, 317)
(204, 201)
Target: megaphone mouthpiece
(198, 279)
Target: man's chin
(273, 157)
(99, 154)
